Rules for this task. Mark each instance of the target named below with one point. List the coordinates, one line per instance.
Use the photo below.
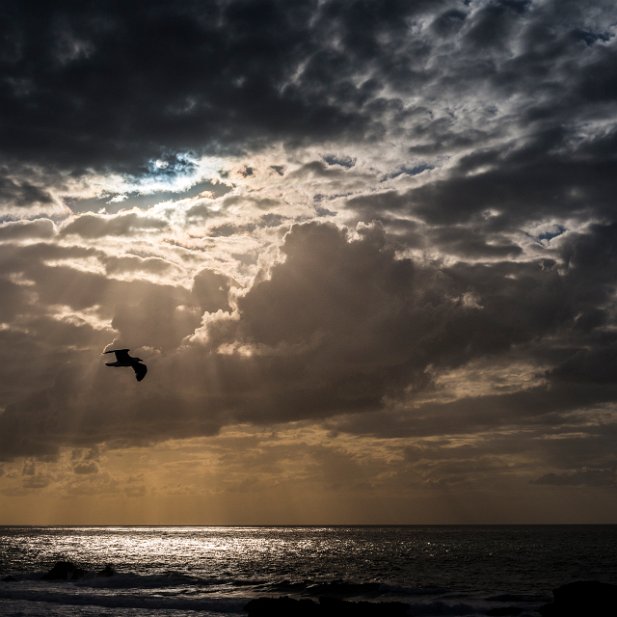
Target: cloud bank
(390, 220)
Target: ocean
(173, 571)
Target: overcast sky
(367, 249)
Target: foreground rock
(65, 571)
(582, 598)
(108, 570)
(68, 571)
(327, 607)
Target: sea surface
(441, 570)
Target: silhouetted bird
(123, 359)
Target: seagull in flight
(123, 359)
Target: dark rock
(327, 607)
(582, 598)
(108, 570)
(65, 571)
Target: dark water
(443, 570)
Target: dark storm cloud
(158, 314)
(114, 84)
(501, 114)
(21, 192)
(338, 326)
(359, 324)
(584, 458)
(341, 326)
(603, 477)
(547, 159)
(472, 243)
(546, 409)
(593, 366)
(525, 180)
(492, 24)
(543, 177)
(60, 320)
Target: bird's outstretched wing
(140, 370)
(121, 354)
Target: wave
(125, 601)
(180, 591)
(228, 605)
(429, 601)
(152, 581)
(131, 580)
(315, 588)
(342, 588)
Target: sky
(367, 250)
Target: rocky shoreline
(576, 599)
(582, 599)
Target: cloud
(338, 311)
(530, 182)
(212, 291)
(471, 243)
(341, 325)
(21, 193)
(463, 154)
(584, 477)
(99, 119)
(42, 228)
(94, 226)
(86, 468)
(132, 264)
